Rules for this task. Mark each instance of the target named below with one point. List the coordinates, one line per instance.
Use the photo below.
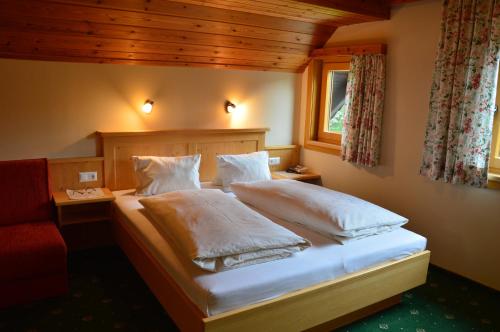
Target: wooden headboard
(118, 148)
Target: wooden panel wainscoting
(289, 156)
(64, 173)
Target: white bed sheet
(218, 292)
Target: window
(333, 102)
(327, 84)
(326, 94)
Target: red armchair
(32, 251)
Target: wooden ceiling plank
(173, 8)
(277, 9)
(13, 40)
(140, 62)
(150, 57)
(60, 11)
(112, 31)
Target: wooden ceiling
(274, 35)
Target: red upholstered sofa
(32, 251)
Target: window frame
(495, 145)
(325, 102)
(494, 165)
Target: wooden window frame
(495, 145)
(322, 58)
(325, 102)
(494, 166)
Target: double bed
(322, 287)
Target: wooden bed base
(320, 307)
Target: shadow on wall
(85, 147)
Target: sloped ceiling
(245, 34)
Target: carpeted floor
(108, 295)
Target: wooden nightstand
(84, 223)
(306, 177)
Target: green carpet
(108, 295)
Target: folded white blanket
(217, 231)
(328, 212)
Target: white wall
(462, 224)
(50, 109)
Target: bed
(304, 292)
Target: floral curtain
(365, 105)
(458, 136)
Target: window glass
(337, 103)
(333, 102)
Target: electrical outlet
(274, 161)
(88, 176)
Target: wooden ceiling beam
(302, 10)
(375, 9)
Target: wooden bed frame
(323, 306)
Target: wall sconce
(230, 107)
(148, 106)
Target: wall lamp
(230, 107)
(148, 106)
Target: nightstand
(306, 177)
(84, 223)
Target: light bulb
(230, 107)
(148, 106)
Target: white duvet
(218, 232)
(328, 212)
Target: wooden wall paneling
(64, 173)
(209, 151)
(289, 156)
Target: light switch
(88, 176)
(274, 161)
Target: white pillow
(158, 175)
(242, 168)
(323, 210)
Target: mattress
(215, 293)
